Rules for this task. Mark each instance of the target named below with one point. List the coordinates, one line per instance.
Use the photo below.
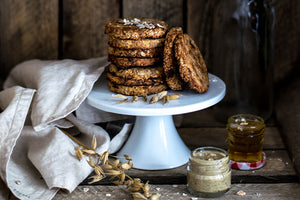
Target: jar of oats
(208, 172)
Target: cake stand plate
(154, 142)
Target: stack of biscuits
(147, 58)
(135, 53)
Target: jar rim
(247, 117)
(210, 148)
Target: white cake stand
(154, 143)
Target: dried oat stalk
(161, 96)
(104, 167)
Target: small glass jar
(245, 136)
(208, 172)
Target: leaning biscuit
(137, 72)
(136, 44)
(136, 90)
(136, 28)
(138, 53)
(170, 65)
(192, 67)
(133, 82)
(123, 62)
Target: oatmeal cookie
(136, 90)
(125, 62)
(133, 82)
(136, 44)
(192, 67)
(170, 65)
(136, 28)
(137, 72)
(140, 53)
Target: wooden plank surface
(279, 167)
(29, 29)
(170, 11)
(285, 191)
(83, 27)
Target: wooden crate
(75, 29)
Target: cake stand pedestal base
(154, 144)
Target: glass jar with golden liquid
(245, 136)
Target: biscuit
(192, 67)
(125, 62)
(136, 90)
(137, 72)
(136, 44)
(133, 82)
(136, 28)
(141, 53)
(170, 65)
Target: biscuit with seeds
(125, 62)
(139, 53)
(136, 28)
(192, 67)
(133, 82)
(136, 44)
(170, 65)
(136, 90)
(137, 72)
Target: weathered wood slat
(278, 169)
(206, 118)
(196, 137)
(83, 27)
(284, 191)
(201, 25)
(286, 42)
(169, 11)
(29, 29)
(288, 114)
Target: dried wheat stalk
(115, 169)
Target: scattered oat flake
(258, 194)
(86, 189)
(175, 186)
(18, 182)
(241, 193)
(119, 96)
(194, 198)
(157, 189)
(213, 79)
(108, 195)
(184, 194)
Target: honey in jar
(245, 136)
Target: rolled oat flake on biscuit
(136, 28)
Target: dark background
(58, 29)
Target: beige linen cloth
(39, 97)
